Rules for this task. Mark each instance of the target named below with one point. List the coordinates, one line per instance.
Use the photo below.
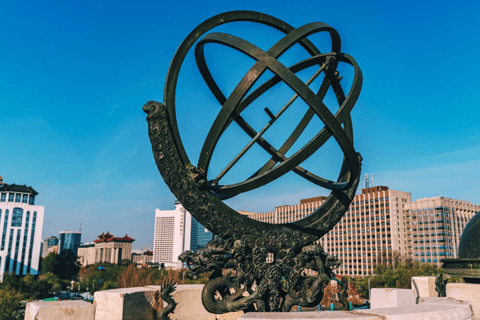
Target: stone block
(126, 304)
(60, 310)
(466, 292)
(387, 298)
(424, 287)
(189, 304)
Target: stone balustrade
(141, 303)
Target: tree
(67, 266)
(396, 275)
(50, 262)
(63, 265)
(11, 307)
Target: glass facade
(200, 236)
(69, 240)
(17, 217)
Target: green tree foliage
(49, 264)
(11, 306)
(396, 275)
(63, 265)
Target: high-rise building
(200, 236)
(21, 222)
(172, 235)
(382, 225)
(47, 244)
(364, 236)
(69, 240)
(436, 225)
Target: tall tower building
(69, 240)
(21, 222)
(172, 235)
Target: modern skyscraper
(172, 235)
(21, 222)
(69, 240)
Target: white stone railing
(387, 304)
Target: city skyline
(75, 77)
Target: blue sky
(74, 78)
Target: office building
(47, 244)
(382, 225)
(21, 222)
(436, 225)
(364, 236)
(143, 257)
(172, 235)
(69, 240)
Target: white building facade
(21, 223)
(172, 235)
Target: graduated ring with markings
(202, 198)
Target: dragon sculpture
(252, 283)
(166, 289)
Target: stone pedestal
(466, 292)
(59, 310)
(189, 304)
(387, 298)
(424, 287)
(126, 304)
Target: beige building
(370, 231)
(383, 224)
(107, 248)
(53, 249)
(142, 258)
(86, 254)
(436, 225)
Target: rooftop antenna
(371, 179)
(367, 185)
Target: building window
(10, 197)
(17, 217)
(31, 200)
(17, 197)
(24, 198)
(4, 197)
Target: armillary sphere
(202, 198)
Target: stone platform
(428, 309)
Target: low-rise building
(142, 258)
(107, 248)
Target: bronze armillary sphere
(203, 198)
